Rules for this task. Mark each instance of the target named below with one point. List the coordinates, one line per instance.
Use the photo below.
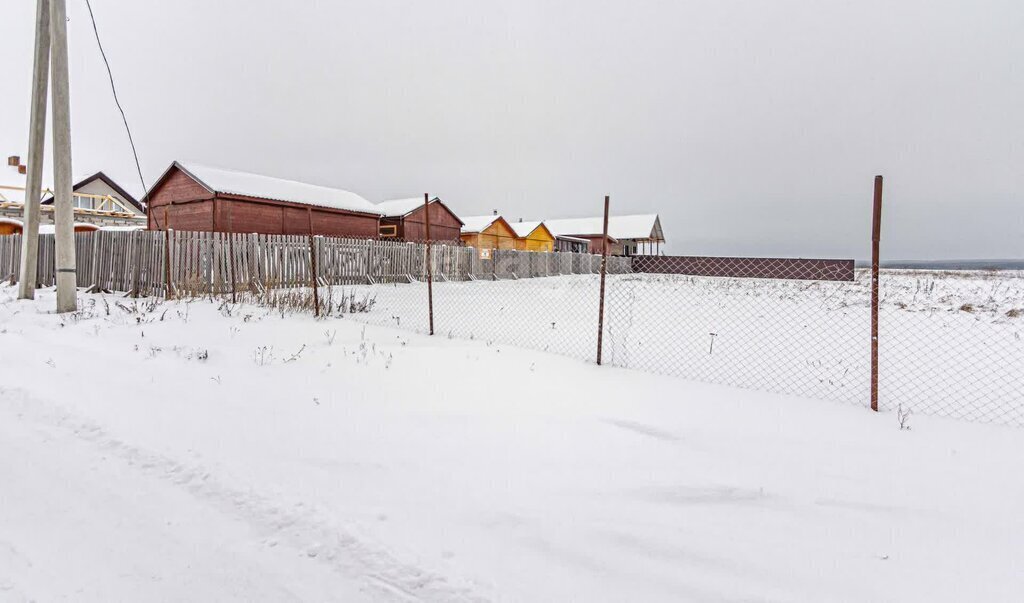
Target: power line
(110, 75)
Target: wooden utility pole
(876, 236)
(36, 144)
(63, 213)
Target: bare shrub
(903, 416)
(263, 355)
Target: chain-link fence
(951, 343)
(761, 330)
(540, 300)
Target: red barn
(196, 197)
(403, 219)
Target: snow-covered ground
(193, 451)
(951, 343)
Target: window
(388, 230)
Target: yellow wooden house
(487, 232)
(533, 236)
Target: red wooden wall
(444, 225)
(181, 203)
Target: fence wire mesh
(951, 342)
(768, 332)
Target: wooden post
(604, 262)
(94, 276)
(876, 236)
(136, 255)
(312, 264)
(168, 233)
(430, 270)
(231, 248)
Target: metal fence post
(604, 262)
(430, 270)
(876, 235)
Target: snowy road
(85, 519)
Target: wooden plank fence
(139, 263)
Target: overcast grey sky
(751, 127)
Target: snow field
(193, 450)
(951, 343)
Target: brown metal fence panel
(739, 267)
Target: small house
(488, 232)
(627, 235)
(533, 236)
(96, 200)
(571, 244)
(403, 219)
(190, 196)
(101, 194)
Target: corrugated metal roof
(472, 224)
(523, 229)
(396, 208)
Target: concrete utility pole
(36, 143)
(63, 214)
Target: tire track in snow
(299, 527)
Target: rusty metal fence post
(876, 235)
(604, 266)
(430, 270)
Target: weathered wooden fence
(207, 263)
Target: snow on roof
(52, 228)
(523, 229)
(477, 223)
(396, 208)
(640, 226)
(574, 239)
(123, 228)
(278, 189)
